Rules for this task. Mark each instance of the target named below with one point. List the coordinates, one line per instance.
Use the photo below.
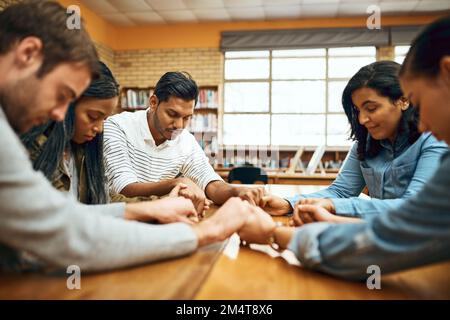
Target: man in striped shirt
(148, 152)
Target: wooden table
(281, 177)
(229, 271)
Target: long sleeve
(118, 165)
(344, 191)
(349, 182)
(414, 234)
(53, 226)
(115, 210)
(427, 164)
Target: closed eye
(94, 116)
(62, 98)
(172, 114)
(371, 107)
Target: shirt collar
(401, 142)
(143, 126)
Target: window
(289, 97)
(400, 53)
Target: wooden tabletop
(229, 271)
(281, 177)
(259, 272)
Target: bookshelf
(234, 156)
(134, 98)
(204, 123)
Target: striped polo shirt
(131, 155)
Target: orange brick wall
(143, 68)
(107, 55)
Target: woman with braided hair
(70, 153)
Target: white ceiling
(143, 12)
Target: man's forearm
(147, 189)
(220, 192)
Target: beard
(166, 133)
(16, 100)
(157, 124)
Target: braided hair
(60, 135)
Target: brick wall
(143, 68)
(107, 55)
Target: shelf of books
(132, 98)
(204, 122)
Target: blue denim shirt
(398, 172)
(414, 234)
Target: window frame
(400, 55)
(270, 82)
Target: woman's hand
(321, 202)
(314, 213)
(275, 205)
(311, 213)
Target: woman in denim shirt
(390, 156)
(414, 234)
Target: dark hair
(176, 84)
(61, 133)
(427, 49)
(381, 76)
(47, 21)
